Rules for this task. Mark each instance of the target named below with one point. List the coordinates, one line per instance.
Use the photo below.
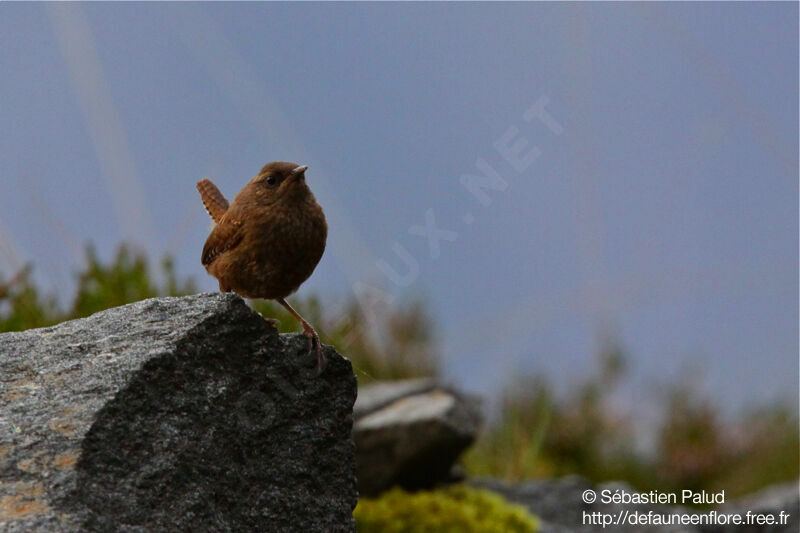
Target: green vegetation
(541, 434)
(403, 349)
(127, 279)
(454, 509)
(538, 433)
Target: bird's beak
(297, 175)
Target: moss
(455, 509)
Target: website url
(653, 518)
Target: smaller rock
(380, 394)
(410, 433)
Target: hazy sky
(643, 163)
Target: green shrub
(455, 509)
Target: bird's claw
(314, 345)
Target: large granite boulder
(410, 434)
(173, 414)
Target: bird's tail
(214, 202)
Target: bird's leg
(308, 331)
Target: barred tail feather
(215, 203)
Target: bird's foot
(271, 321)
(314, 345)
(313, 339)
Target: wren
(269, 240)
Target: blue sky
(663, 206)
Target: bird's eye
(270, 180)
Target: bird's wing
(213, 200)
(225, 236)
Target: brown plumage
(213, 200)
(269, 240)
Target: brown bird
(269, 240)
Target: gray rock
(560, 506)
(382, 393)
(778, 501)
(173, 414)
(559, 503)
(410, 434)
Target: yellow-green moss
(454, 509)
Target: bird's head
(281, 180)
